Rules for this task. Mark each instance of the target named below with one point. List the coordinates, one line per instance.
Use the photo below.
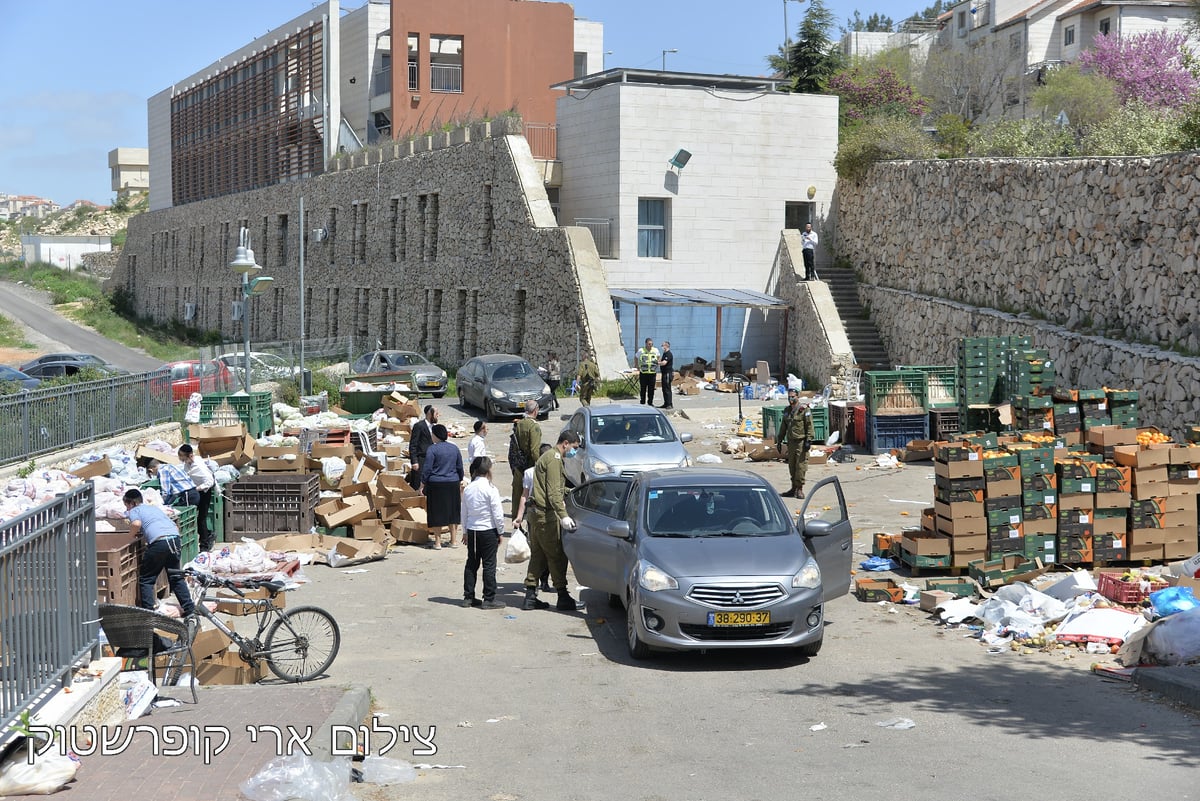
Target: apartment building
(130, 168)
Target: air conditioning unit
(189, 311)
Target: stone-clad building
(446, 244)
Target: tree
(880, 138)
(1022, 138)
(867, 92)
(1087, 98)
(953, 136)
(967, 83)
(876, 23)
(1151, 67)
(814, 56)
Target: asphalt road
(547, 705)
(51, 331)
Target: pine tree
(814, 57)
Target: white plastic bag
(385, 770)
(299, 778)
(137, 692)
(49, 773)
(192, 415)
(333, 468)
(517, 550)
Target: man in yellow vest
(647, 358)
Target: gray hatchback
(623, 439)
(711, 558)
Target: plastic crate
(118, 557)
(1123, 592)
(189, 533)
(941, 385)
(944, 424)
(772, 421)
(254, 410)
(894, 393)
(264, 505)
(820, 418)
(216, 515)
(858, 414)
(889, 432)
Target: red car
(197, 376)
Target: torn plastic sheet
(1101, 624)
(957, 610)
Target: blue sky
(78, 72)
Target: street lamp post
(243, 262)
(664, 54)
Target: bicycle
(298, 644)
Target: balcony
(543, 140)
(381, 82)
(600, 229)
(445, 78)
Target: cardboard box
(416, 514)
(999, 489)
(1005, 570)
(227, 667)
(200, 433)
(930, 600)
(919, 450)
(210, 641)
(322, 451)
(100, 467)
(395, 451)
(280, 459)
(869, 589)
(233, 605)
(689, 388)
(170, 457)
(1109, 436)
(962, 543)
(1142, 456)
(370, 529)
(1046, 526)
(342, 511)
(237, 451)
(1185, 454)
(348, 552)
(959, 510)
(368, 468)
(1139, 551)
(962, 527)
(963, 469)
(957, 587)
(923, 544)
(409, 532)
(1086, 500)
(1180, 549)
(1112, 500)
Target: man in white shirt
(809, 239)
(477, 446)
(203, 478)
(483, 521)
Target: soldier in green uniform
(529, 440)
(589, 378)
(546, 524)
(795, 440)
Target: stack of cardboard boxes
(959, 489)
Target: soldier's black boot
(565, 602)
(531, 600)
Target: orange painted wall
(513, 50)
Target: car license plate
(739, 618)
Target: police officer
(795, 440)
(647, 359)
(547, 522)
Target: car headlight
(498, 394)
(545, 389)
(809, 577)
(599, 468)
(653, 579)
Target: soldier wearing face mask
(547, 522)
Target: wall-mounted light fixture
(680, 159)
(812, 192)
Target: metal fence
(543, 140)
(47, 600)
(601, 234)
(47, 420)
(445, 78)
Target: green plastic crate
(254, 410)
(773, 421)
(189, 533)
(941, 385)
(216, 515)
(891, 386)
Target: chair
(136, 628)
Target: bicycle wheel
(302, 643)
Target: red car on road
(197, 376)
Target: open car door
(829, 535)
(599, 558)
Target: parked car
(263, 367)
(406, 365)
(193, 375)
(708, 558)
(56, 369)
(79, 358)
(16, 376)
(623, 439)
(500, 384)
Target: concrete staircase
(869, 351)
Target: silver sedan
(711, 558)
(623, 439)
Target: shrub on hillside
(1134, 129)
(881, 138)
(1022, 138)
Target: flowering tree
(1149, 67)
(866, 92)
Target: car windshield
(270, 360)
(628, 429)
(510, 371)
(748, 511)
(9, 374)
(396, 359)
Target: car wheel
(489, 411)
(811, 649)
(441, 394)
(614, 601)
(637, 648)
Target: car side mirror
(685, 437)
(564, 417)
(618, 529)
(816, 528)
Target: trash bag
(49, 772)
(708, 458)
(517, 550)
(876, 564)
(385, 770)
(1174, 640)
(299, 777)
(1173, 600)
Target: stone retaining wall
(443, 244)
(919, 329)
(1106, 246)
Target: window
(445, 63)
(1069, 36)
(1105, 25)
(652, 228)
(1014, 43)
(414, 71)
(580, 65)
(797, 212)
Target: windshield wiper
(676, 534)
